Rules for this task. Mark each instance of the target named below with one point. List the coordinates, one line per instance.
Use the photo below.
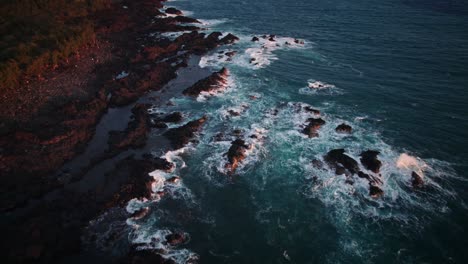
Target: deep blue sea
(395, 70)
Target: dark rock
(318, 164)
(140, 213)
(233, 113)
(175, 117)
(370, 161)
(181, 136)
(344, 129)
(159, 125)
(254, 39)
(417, 180)
(336, 158)
(215, 82)
(174, 180)
(173, 11)
(375, 191)
(236, 154)
(231, 53)
(219, 137)
(162, 164)
(229, 39)
(312, 110)
(176, 239)
(312, 128)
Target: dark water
(397, 72)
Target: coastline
(45, 133)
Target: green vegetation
(35, 34)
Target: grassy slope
(39, 34)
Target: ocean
(395, 71)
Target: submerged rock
(312, 110)
(215, 82)
(236, 154)
(344, 129)
(255, 39)
(370, 161)
(312, 128)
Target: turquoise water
(396, 71)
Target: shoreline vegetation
(59, 64)
(39, 35)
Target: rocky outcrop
(370, 161)
(344, 164)
(213, 83)
(236, 154)
(176, 239)
(416, 180)
(344, 129)
(173, 11)
(181, 136)
(341, 162)
(312, 128)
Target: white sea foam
(315, 87)
(148, 238)
(256, 55)
(226, 86)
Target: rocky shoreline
(48, 214)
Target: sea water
(395, 70)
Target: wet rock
(312, 128)
(370, 161)
(159, 125)
(298, 41)
(255, 39)
(215, 82)
(175, 117)
(219, 137)
(181, 136)
(318, 164)
(233, 113)
(230, 54)
(140, 213)
(416, 180)
(173, 180)
(336, 158)
(229, 39)
(173, 11)
(176, 239)
(162, 164)
(311, 110)
(252, 60)
(375, 191)
(236, 154)
(344, 129)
